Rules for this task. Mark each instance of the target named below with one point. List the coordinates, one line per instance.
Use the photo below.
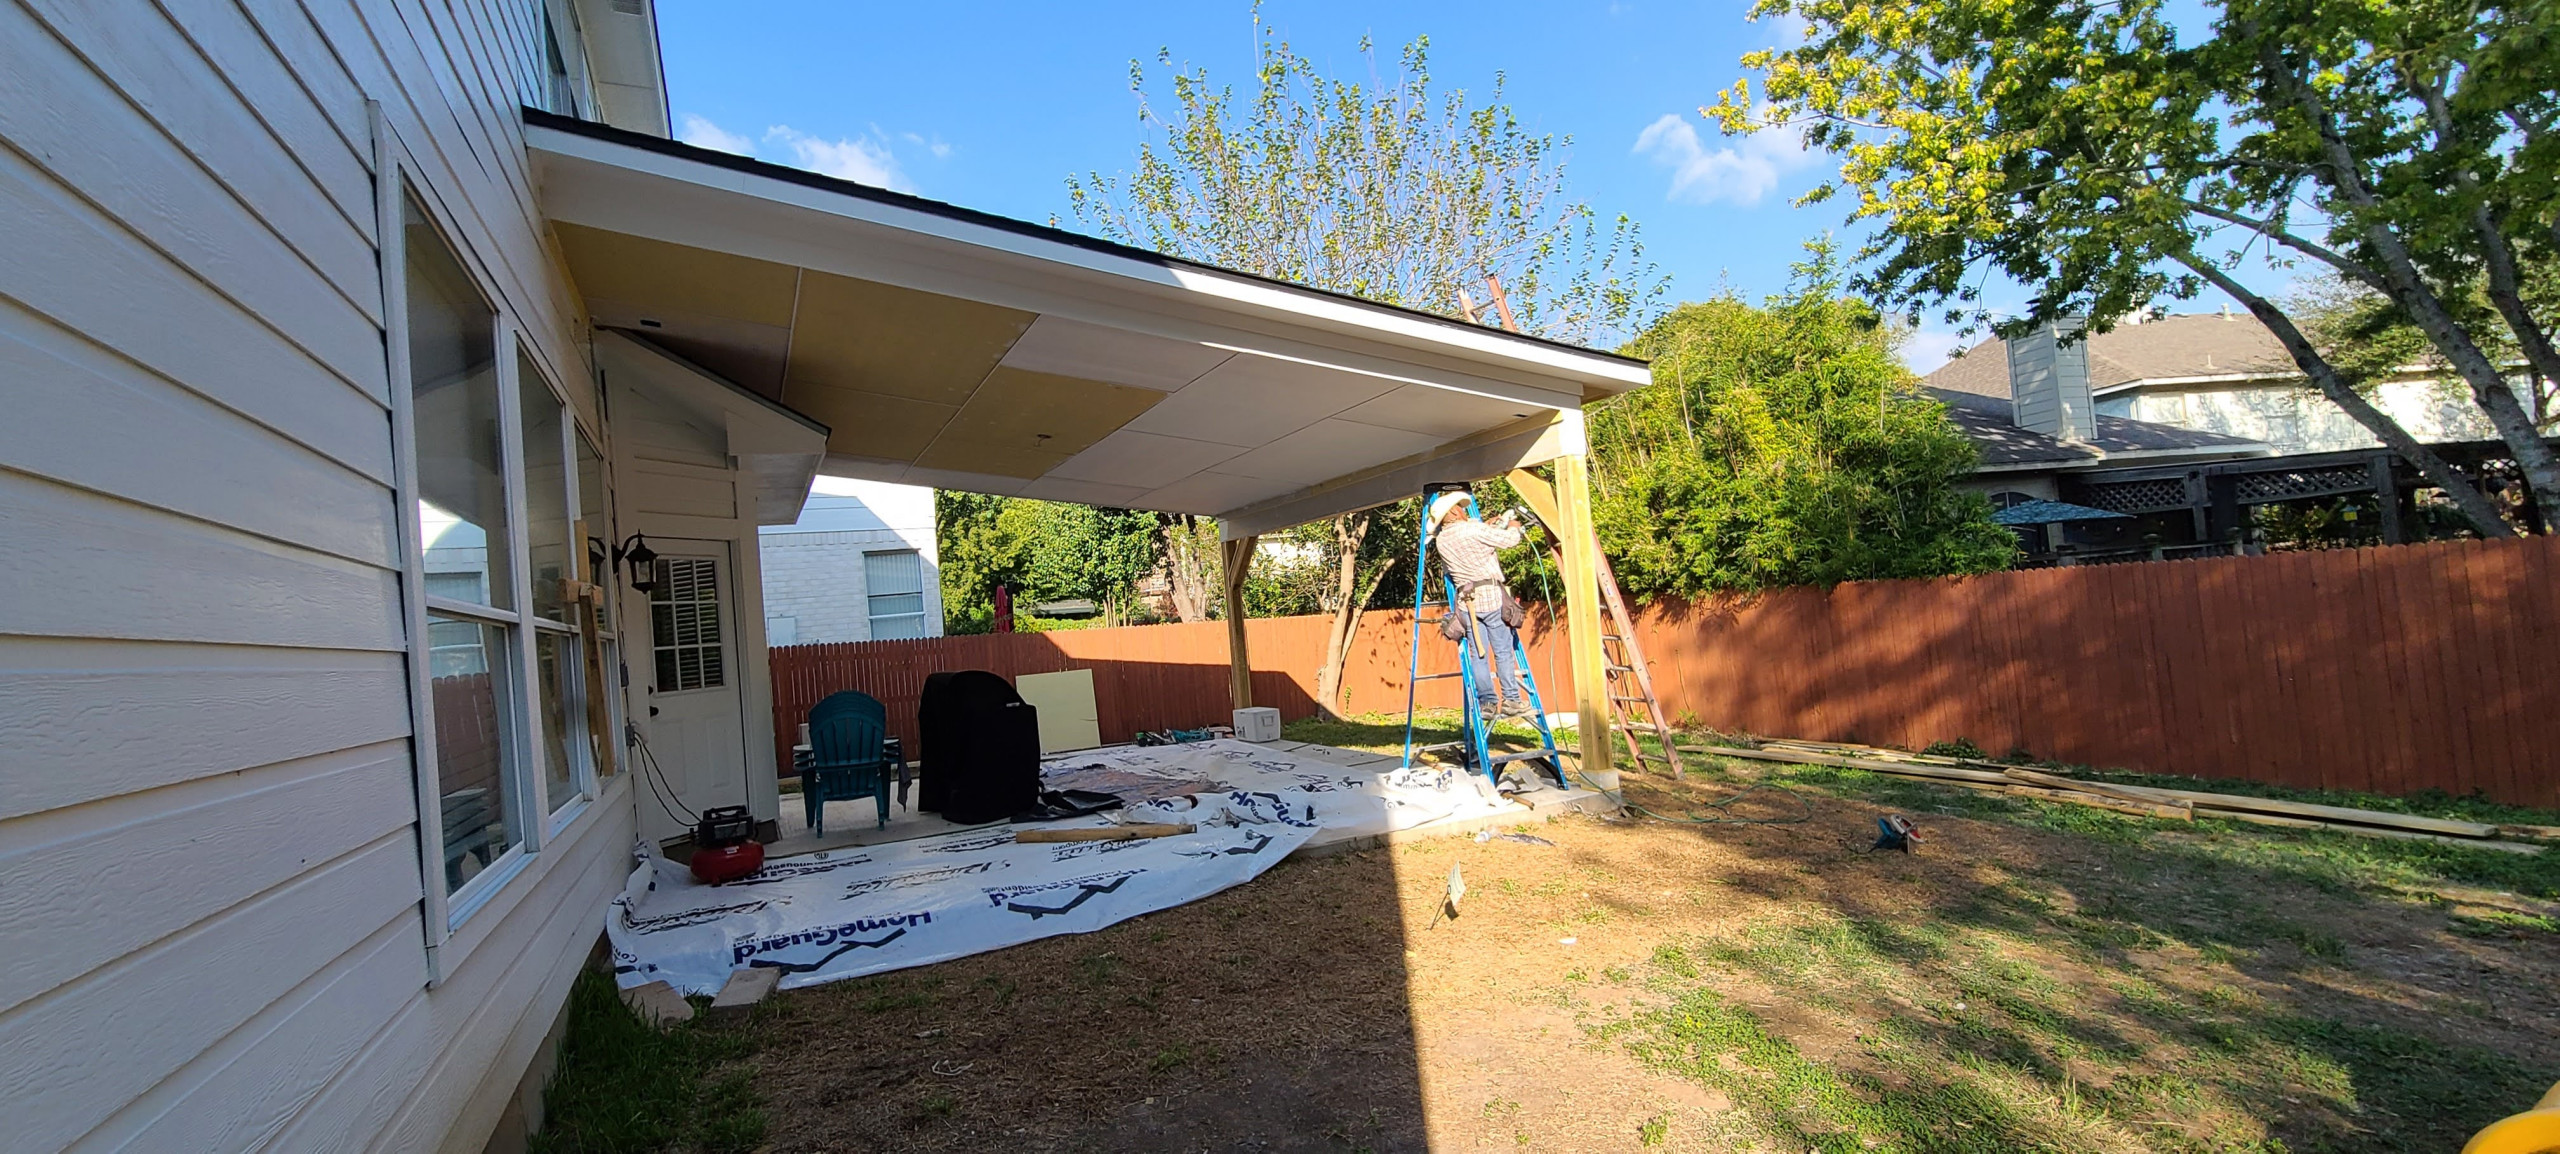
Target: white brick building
(859, 565)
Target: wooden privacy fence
(1144, 677)
(2388, 669)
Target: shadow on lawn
(1191, 1028)
(2131, 985)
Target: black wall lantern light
(642, 558)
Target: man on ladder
(1471, 550)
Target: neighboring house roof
(2050, 512)
(2166, 349)
(1986, 422)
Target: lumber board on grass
(2135, 794)
(2364, 830)
(2531, 832)
(2335, 813)
(1802, 757)
(2098, 801)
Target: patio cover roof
(961, 350)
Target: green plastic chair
(848, 756)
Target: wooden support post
(1582, 614)
(1236, 559)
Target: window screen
(895, 583)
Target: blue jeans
(1503, 642)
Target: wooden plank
(2135, 794)
(1903, 768)
(2333, 813)
(2361, 830)
(2510, 678)
(2101, 801)
(1132, 831)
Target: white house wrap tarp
(825, 917)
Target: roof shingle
(2195, 345)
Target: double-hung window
(508, 739)
(893, 583)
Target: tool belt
(1454, 625)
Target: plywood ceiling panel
(870, 425)
(1147, 460)
(1211, 493)
(653, 273)
(1096, 353)
(1020, 419)
(1054, 488)
(747, 355)
(1327, 449)
(1251, 399)
(1442, 413)
(876, 338)
(966, 482)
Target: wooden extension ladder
(1639, 710)
(1625, 660)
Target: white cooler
(1260, 723)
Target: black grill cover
(981, 748)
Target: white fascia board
(2141, 383)
(622, 188)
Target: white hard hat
(1441, 504)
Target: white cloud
(937, 146)
(861, 159)
(1741, 173)
(1925, 351)
(701, 133)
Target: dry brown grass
(2023, 980)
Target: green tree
(1387, 191)
(2099, 154)
(1781, 445)
(1041, 550)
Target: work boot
(1519, 708)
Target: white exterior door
(697, 717)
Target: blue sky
(993, 105)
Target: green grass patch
(1965, 1039)
(2321, 859)
(623, 1086)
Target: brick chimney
(2049, 381)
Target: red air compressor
(725, 846)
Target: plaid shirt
(1472, 550)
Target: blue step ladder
(1475, 746)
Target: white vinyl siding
(209, 880)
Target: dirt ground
(1646, 985)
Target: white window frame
(870, 620)
(581, 769)
(533, 823)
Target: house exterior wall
(210, 881)
(2296, 420)
(677, 482)
(815, 585)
